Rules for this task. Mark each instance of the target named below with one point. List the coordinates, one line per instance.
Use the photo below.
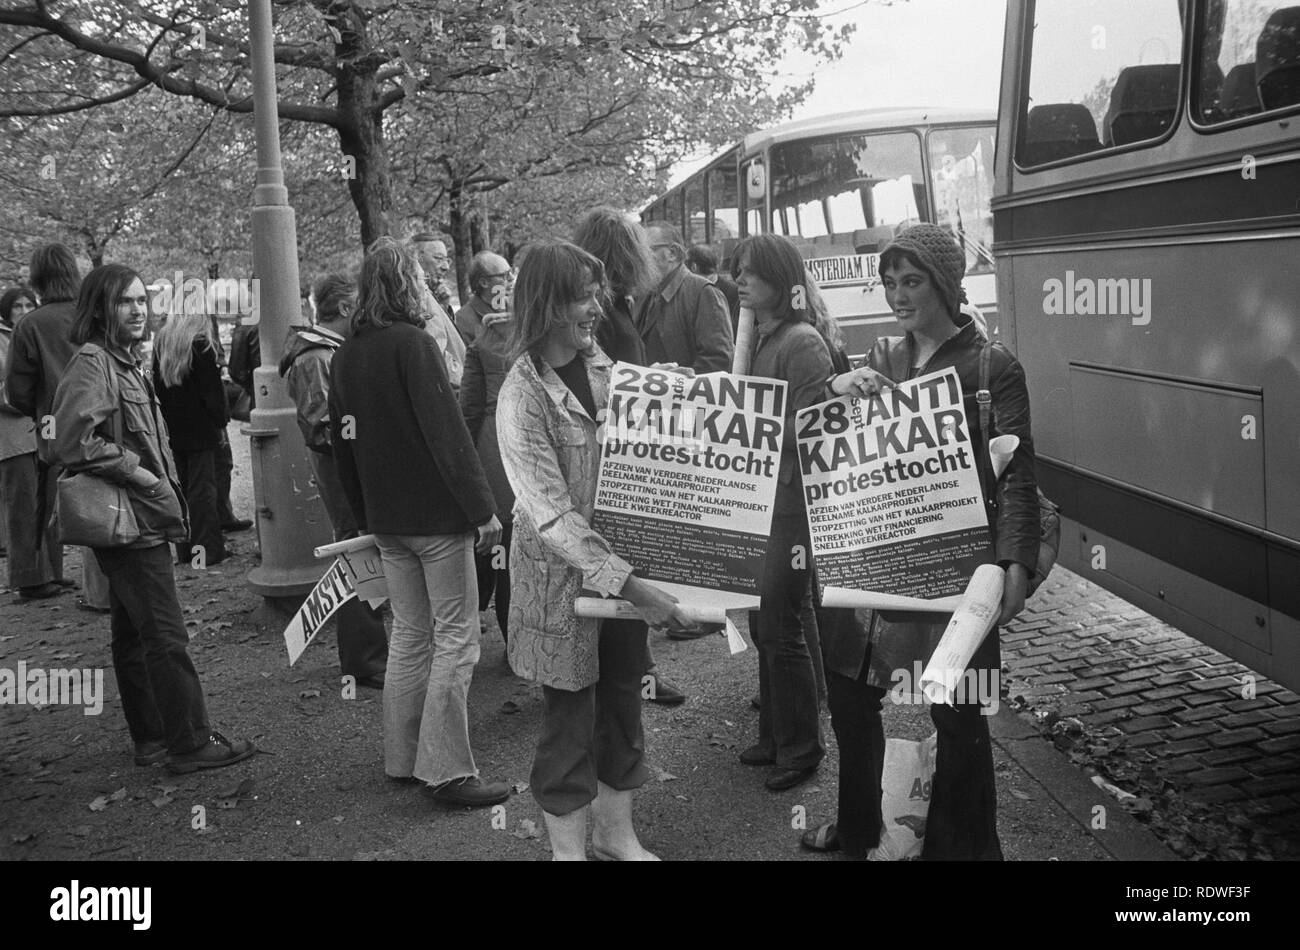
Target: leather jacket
(1013, 513)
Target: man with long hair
(41, 347)
(413, 479)
(107, 424)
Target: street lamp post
(291, 518)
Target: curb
(1124, 838)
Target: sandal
(823, 838)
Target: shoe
(91, 608)
(150, 753)
(40, 591)
(822, 838)
(217, 753)
(403, 779)
(699, 633)
(782, 779)
(239, 524)
(374, 681)
(471, 792)
(758, 755)
(665, 693)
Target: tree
(683, 70)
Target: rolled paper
(970, 624)
(735, 642)
(1000, 451)
(872, 600)
(744, 342)
(615, 609)
(346, 547)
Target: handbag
(1049, 518)
(93, 511)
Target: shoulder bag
(93, 511)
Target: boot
(613, 838)
(568, 834)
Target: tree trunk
(459, 220)
(361, 136)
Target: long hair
(330, 292)
(53, 273)
(389, 288)
(174, 346)
(96, 314)
(778, 262)
(621, 246)
(11, 297)
(553, 276)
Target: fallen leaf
(82, 831)
(23, 839)
(162, 800)
(99, 804)
(309, 694)
(237, 791)
(1021, 795)
(519, 787)
(118, 795)
(663, 776)
(527, 829)
(227, 803)
(338, 818)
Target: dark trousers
(198, 478)
(496, 579)
(159, 688)
(788, 718)
(594, 734)
(35, 554)
(962, 820)
(224, 464)
(363, 643)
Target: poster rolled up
(970, 624)
(744, 342)
(1000, 451)
(874, 600)
(359, 543)
(615, 609)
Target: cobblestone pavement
(1215, 769)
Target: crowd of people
(467, 445)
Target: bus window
(695, 230)
(753, 177)
(1249, 59)
(724, 204)
(961, 164)
(864, 181)
(1102, 73)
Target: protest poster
(357, 571)
(688, 474)
(893, 496)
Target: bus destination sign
(848, 269)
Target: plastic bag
(905, 798)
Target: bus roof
(863, 120)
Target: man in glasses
(685, 320)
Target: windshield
(831, 191)
(961, 164)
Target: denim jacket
(85, 437)
(552, 458)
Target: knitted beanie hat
(939, 256)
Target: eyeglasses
(660, 247)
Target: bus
(841, 187)
(1146, 224)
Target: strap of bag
(984, 399)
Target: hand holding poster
(893, 496)
(688, 475)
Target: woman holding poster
(922, 272)
(772, 281)
(591, 752)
